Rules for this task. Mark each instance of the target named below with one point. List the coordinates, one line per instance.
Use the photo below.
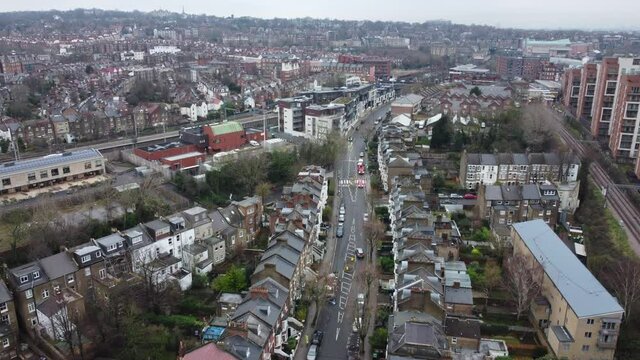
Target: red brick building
(224, 137)
(185, 161)
(159, 151)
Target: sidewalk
(325, 268)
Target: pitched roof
(58, 265)
(52, 160)
(208, 351)
(583, 292)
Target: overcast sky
(585, 14)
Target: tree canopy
(233, 281)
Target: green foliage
(331, 187)
(196, 306)
(378, 339)
(504, 358)
(19, 110)
(438, 181)
(281, 167)
(302, 309)
(386, 263)
(476, 253)
(233, 281)
(481, 235)
(441, 134)
(322, 153)
(326, 213)
(199, 281)
(146, 342)
(475, 91)
(184, 322)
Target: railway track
(616, 199)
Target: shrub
(387, 264)
(494, 329)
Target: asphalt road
(337, 320)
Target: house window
(454, 340)
(4, 319)
(36, 274)
(170, 241)
(24, 279)
(55, 172)
(45, 293)
(98, 163)
(3, 307)
(608, 326)
(70, 278)
(66, 170)
(86, 258)
(587, 334)
(34, 321)
(31, 306)
(233, 240)
(585, 347)
(28, 294)
(44, 175)
(241, 234)
(102, 273)
(112, 247)
(87, 271)
(5, 342)
(87, 165)
(6, 182)
(31, 176)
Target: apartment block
(574, 312)
(48, 170)
(291, 114)
(8, 323)
(624, 140)
(571, 89)
(587, 91)
(607, 83)
(322, 120)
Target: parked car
(470, 196)
(313, 352)
(340, 230)
(455, 196)
(366, 217)
(254, 143)
(350, 139)
(341, 218)
(360, 253)
(342, 209)
(317, 337)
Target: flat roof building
(23, 175)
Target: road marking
(337, 333)
(340, 317)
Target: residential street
(336, 321)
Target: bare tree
(263, 190)
(65, 324)
(374, 231)
(623, 277)
(523, 280)
(316, 292)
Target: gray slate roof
(5, 294)
(58, 265)
(583, 292)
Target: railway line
(616, 199)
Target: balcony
(608, 343)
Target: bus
(360, 167)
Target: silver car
(313, 352)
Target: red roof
(208, 352)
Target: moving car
(313, 352)
(254, 143)
(360, 253)
(361, 183)
(317, 337)
(360, 167)
(340, 230)
(361, 154)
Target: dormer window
(86, 259)
(112, 247)
(36, 274)
(24, 279)
(98, 254)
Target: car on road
(360, 253)
(340, 230)
(360, 299)
(365, 217)
(317, 337)
(361, 183)
(361, 154)
(312, 354)
(350, 139)
(254, 143)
